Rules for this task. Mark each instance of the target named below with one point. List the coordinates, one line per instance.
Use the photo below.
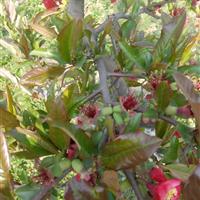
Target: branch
(46, 189)
(134, 184)
(116, 16)
(114, 74)
(103, 80)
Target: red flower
(50, 4)
(78, 177)
(177, 134)
(113, 1)
(71, 151)
(164, 189)
(177, 12)
(88, 116)
(129, 103)
(157, 174)
(91, 111)
(185, 111)
(167, 190)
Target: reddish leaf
(5, 185)
(39, 75)
(191, 189)
(128, 151)
(191, 95)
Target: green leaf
(180, 171)
(39, 75)
(171, 31)
(45, 53)
(134, 123)
(27, 192)
(10, 102)
(68, 39)
(187, 53)
(129, 150)
(172, 152)
(161, 128)
(5, 186)
(191, 188)
(139, 56)
(33, 142)
(191, 69)
(7, 119)
(186, 132)
(163, 95)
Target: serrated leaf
(68, 39)
(191, 189)
(180, 171)
(7, 119)
(129, 150)
(37, 76)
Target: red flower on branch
(165, 189)
(87, 116)
(129, 103)
(71, 151)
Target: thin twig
(134, 184)
(116, 74)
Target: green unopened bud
(171, 110)
(118, 119)
(77, 165)
(117, 108)
(107, 111)
(65, 164)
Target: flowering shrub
(114, 101)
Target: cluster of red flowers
(164, 189)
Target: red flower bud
(157, 175)
(185, 112)
(50, 4)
